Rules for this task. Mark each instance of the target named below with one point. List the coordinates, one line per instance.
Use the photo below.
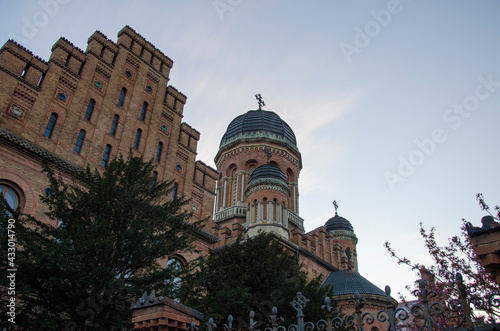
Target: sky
(395, 104)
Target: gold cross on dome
(260, 101)
(335, 206)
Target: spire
(336, 207)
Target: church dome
(267, 171)
(266, 123)
(338, 223)
(268, 174)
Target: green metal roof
(260, 120)
(349, 281)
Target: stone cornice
(267, 184)
(342, 234)
(226, 153)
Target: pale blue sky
(355, 117)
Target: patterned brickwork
(82, 91)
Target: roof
(255, 121)
(349, 282)
(338, 223)
(267, 171)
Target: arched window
(79, 141)
(174, 191)
(137, 138)
(143, 111)
(50, 125)
(10, 196)
(121, 99)
(175, 281)
(114, 124)
(90, 109)
(158, 151)
(105, 157)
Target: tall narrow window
(158, 151)
(105, 157)
(121, 99)
(137, 138)
(175, 280)
(174, 191)
(114, 125)
(25, 71)
(79, 141)
(40, 81)
(90, 109)
(154, 178)
(143, 111)
(50, 125)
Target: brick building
(82, 108)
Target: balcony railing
(295, 219)
(234, 211)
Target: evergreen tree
(254, 274)
(114, 226)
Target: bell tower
(259, 165)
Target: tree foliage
(254, 274)
(458, 256)
(114, 227)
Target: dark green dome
(259, 121)
(349, 281)
(338, 223)
(267, 171)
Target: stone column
(294, 198)
(252, 213)
(217, 197)
(260, 211)
(279, 214)
(242, 184)
(284, 212)
(224, 192)
(270, 211)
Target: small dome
(267, 171)
(259, 121)
(338, 223)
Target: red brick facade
(80, 106)
(82, 91)
(320, 251)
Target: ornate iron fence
(456, 314)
